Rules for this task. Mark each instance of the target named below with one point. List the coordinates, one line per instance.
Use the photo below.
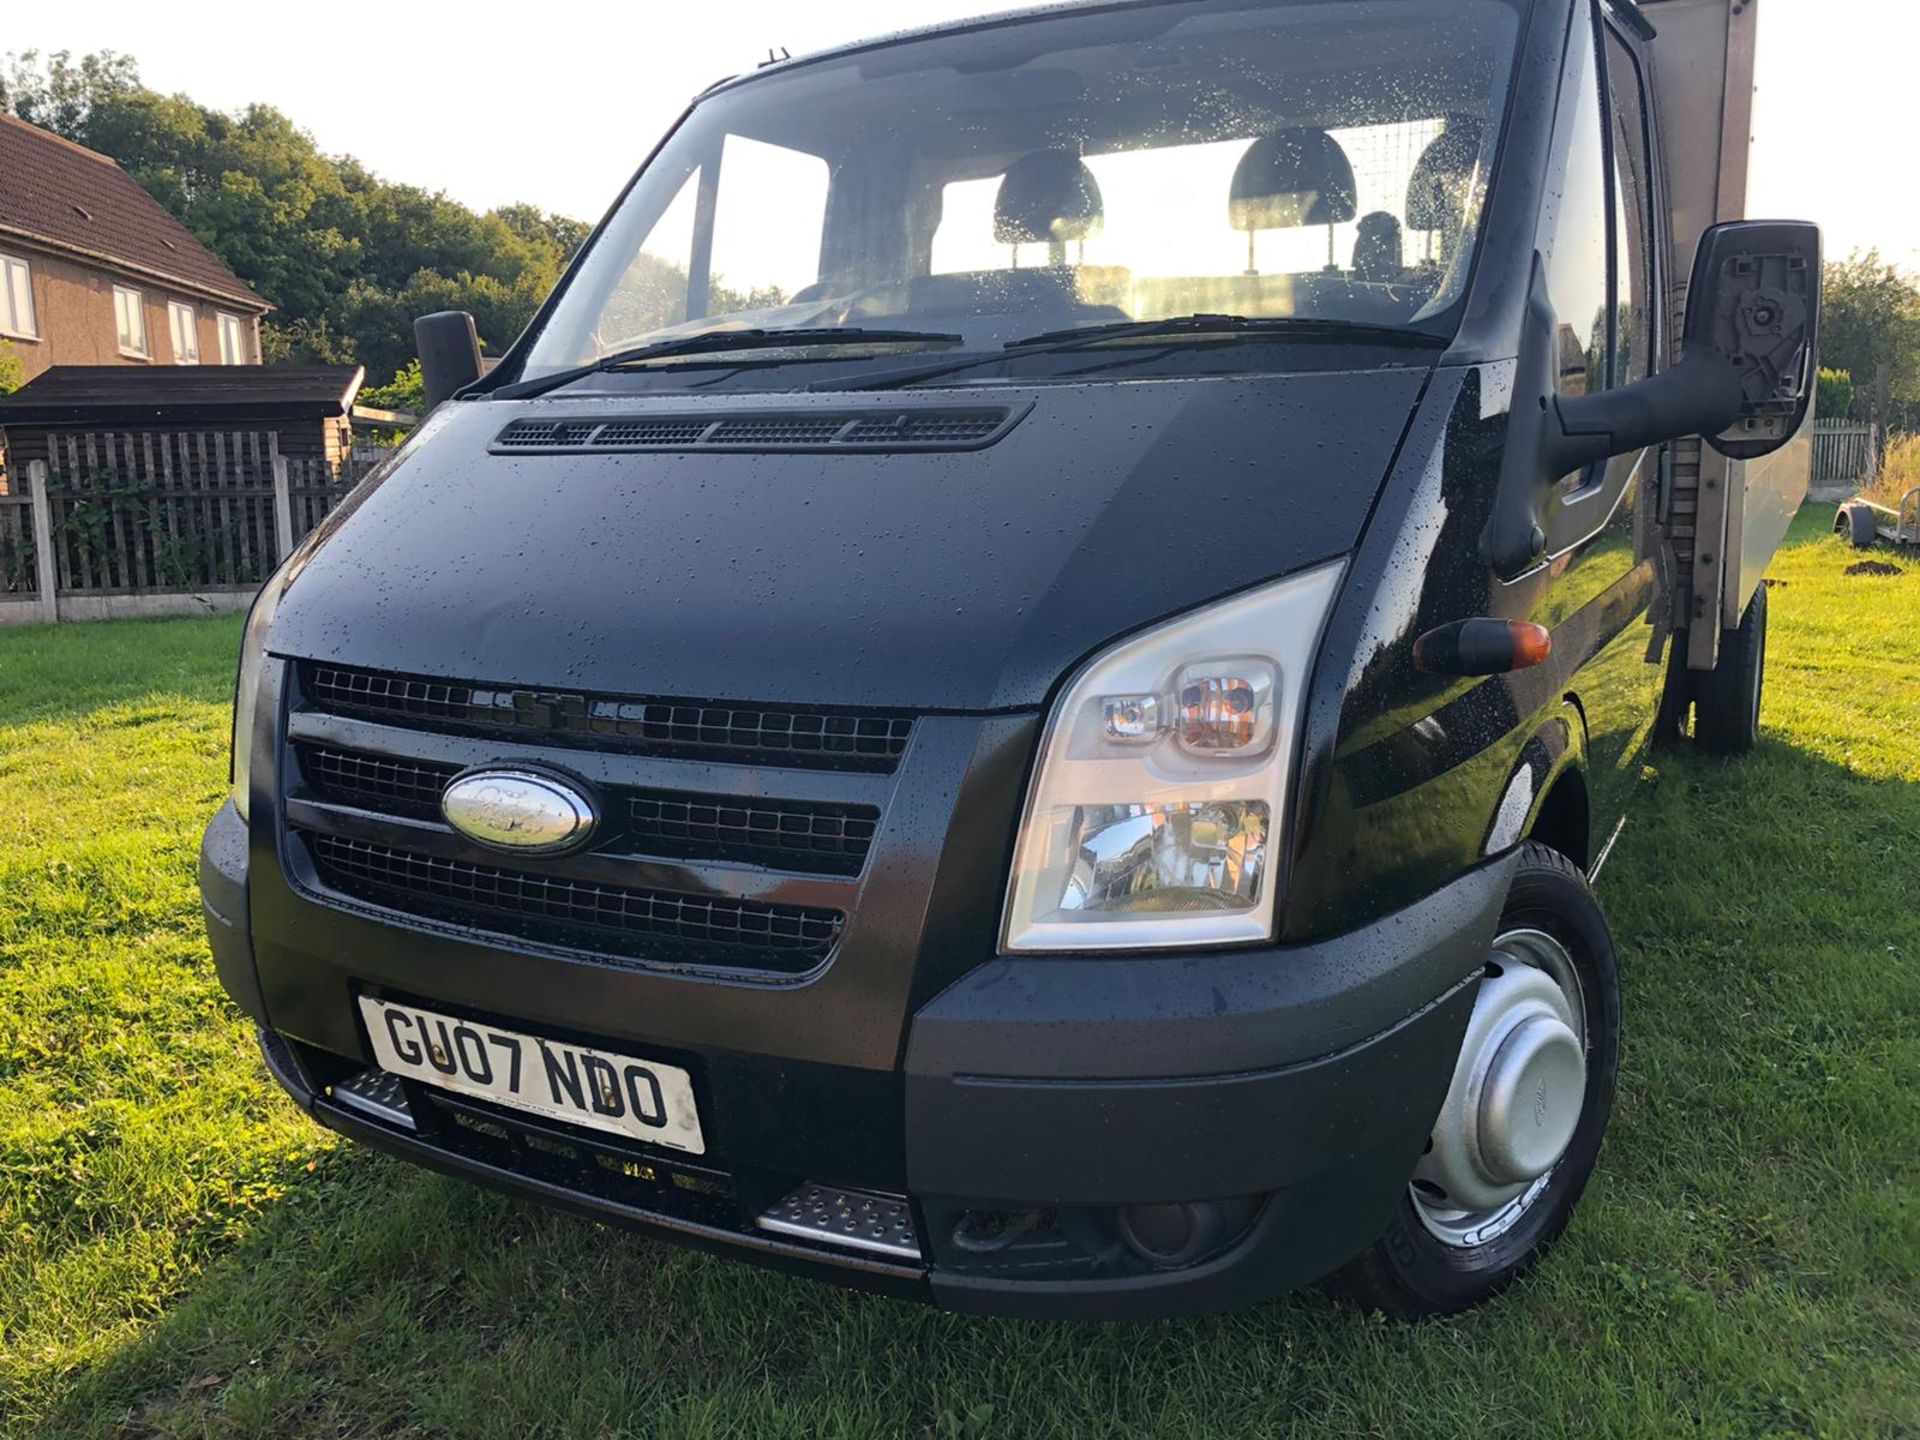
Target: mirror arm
(1701, 394)
(1550, 435)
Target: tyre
(1726, 708)
(1676, 698)
(1520, 1128)
(1859, 525)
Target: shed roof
(176, 395)
(68, 198)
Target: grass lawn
(182, 1253)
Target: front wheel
(1520, 1128)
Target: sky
(558, 105)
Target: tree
(1871, 327)
(60, 95)
(347, 259)
(1834, 400)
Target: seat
(1291, 179)
(1442, 177)
(1049, 197)
(1379, 254)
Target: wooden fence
(18, 580)
(1846, 454)
(181, 522)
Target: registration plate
(641, 1099)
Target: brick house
(94, 271)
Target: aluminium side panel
(1730, 516)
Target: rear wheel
(1520, 1128)
(1726, 714)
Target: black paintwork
(965, 587)
(968, 581)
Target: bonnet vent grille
(839, 431)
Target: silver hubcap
(1516, 1096)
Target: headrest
(1437, 194)
(1378, 252)
(1049, 195)
(1293, 178)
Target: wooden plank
(252, 552)
(243, 561)
(231, 516)
(140, 515)
(156, 510)
(178, 470)
(120, 521)
(111, 480)
(159, 540)
(215, 509)
(99, 489)
(266, 536)
(193, 457)
(75, 553)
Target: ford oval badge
(518, 810)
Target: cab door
(1603, 274)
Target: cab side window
(1634, 243)
(1578, 243)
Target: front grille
(794, 835)
(622, 924)
(399, 787)
(816, 837)
(868, 429)
(746, 734)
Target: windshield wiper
(1122, 332)
(719, 342)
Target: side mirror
(449, 349)
(1745, 380)
(1755, 302)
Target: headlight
(1158, 807)
(246, 688)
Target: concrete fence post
(47, 572)
(282, 508)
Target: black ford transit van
(1012, 694)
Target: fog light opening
(1170, 1236)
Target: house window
(233, 339)
(130, 314)
(185, 325)
(16, 299)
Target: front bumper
(1295, 1085)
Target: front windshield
(1317, 159)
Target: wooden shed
(307, 408)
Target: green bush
(1834, 400)
(13, 370)
(406, 392)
